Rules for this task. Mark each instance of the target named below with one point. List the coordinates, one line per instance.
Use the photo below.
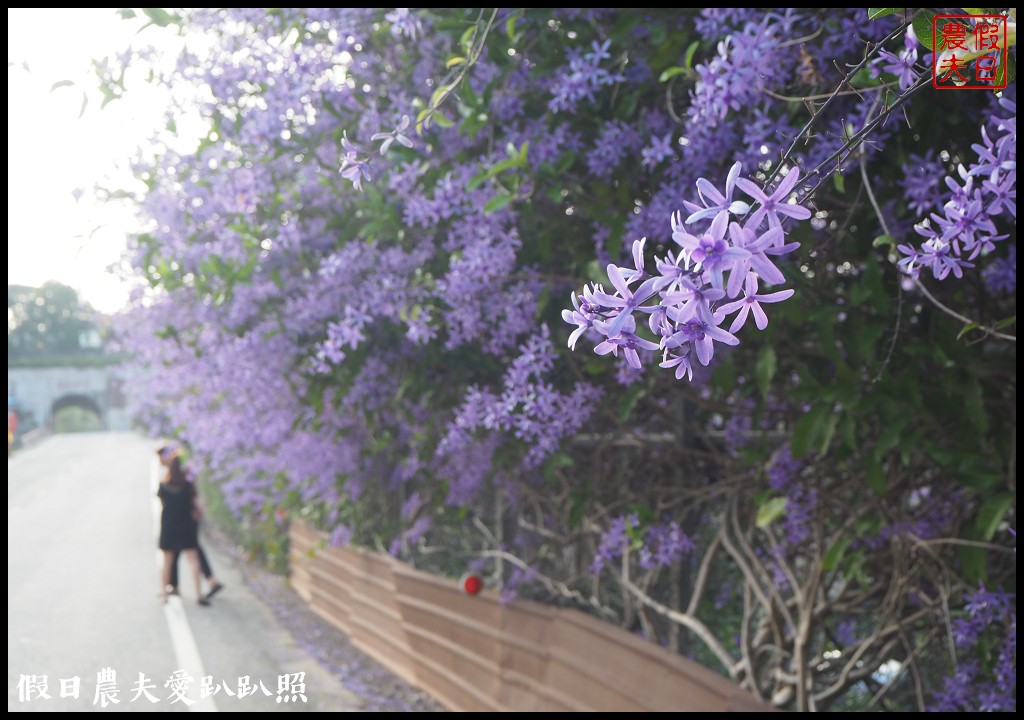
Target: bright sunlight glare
(61, 146)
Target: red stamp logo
(970, 52)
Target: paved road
(82, 598)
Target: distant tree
(47, 321)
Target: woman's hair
(176, 473)
(166, 451)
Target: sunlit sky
(52, 152)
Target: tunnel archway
(76, 413)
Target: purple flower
(922, 176)
(710, 251)
(341, 536)
(659, 150)
(902, 66)
(637, 272)
(613, 541)
(716, 203)
(627, 300)
(352, 168)
(403, 22)
(696, 301)
(777, 203)
(398, 134)
(582, 315)
(626, 339)
(701, 336)
(770, 242)
(680, 362)
(751, 303)
(846, 632)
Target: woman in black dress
(178, 526)
(167, 453)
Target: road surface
(82, 600)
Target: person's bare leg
(165, 574)
(193, 561)
(214, 586)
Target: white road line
(186, 653)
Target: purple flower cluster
(617, 141)
(922, 178)
(689, 295)
(801, 501)
(969, 688)
(404, 22)
(735, 77)
(341, 536)
(614, 541)
(528, 408)
(658, 546)
(582, 78)
(979, 194)
(345, 349)
(903, 66)
(1001, 275)
(664, 545)
(411, 536)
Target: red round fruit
(471, 584)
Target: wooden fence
(474, 654)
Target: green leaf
(839, 182)
(646, 516)
(890, 436)
(808, 429)
(468, 37)
(990, 516)
(827, 432)
(442, 120)
(1007, 68)
(630, 400)
(453, 61)
(835, 553)
(556, 462)
(1006, 322)
(420, 120)
(160, 17)
(473, 124)
(771, 511)
(967, 328)
(671, 73)
(439, 95)
(875, 13)
(691, 50)
(577, 509)
(924, 29)
(510, 27)
(973, 561)
(883, 240)
(875, 476)
(767, 364)
(973, 408)
(848, 429)
(498, 202)
(61, 83)
(476, 181)
(516, 159)
(565, 163)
